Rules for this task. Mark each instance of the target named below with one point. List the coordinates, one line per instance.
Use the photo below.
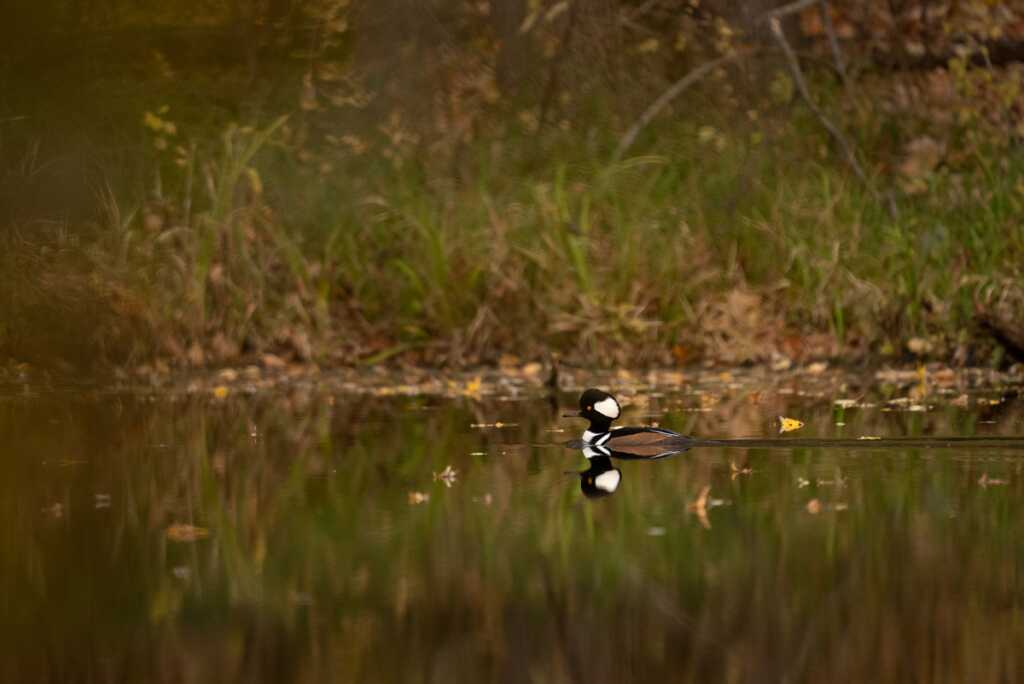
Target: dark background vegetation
(341, 181)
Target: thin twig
(786, 10)
(641, 10)
(563, 49)
(672, 93)
(833, 41)
(844, 143)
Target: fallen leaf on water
(183, 532)
(472, 388)
(789, 424)
(817, 368)
(448, 476)
(700, 507)
(896, 376)
(737, 470)
(532, 369)
(708, 400)
(839, 481)
(418, 497)
(986, 481)
(220, 391)
(814, 507)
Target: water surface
(312, 536)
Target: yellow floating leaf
(183, 532)
(473, 387)
(789, 424)
(220, 391)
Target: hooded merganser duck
(601, 408)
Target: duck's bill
(574, 414)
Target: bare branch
(833, 41)
(844, 143)
(552, 85)
(674, 91)
(791, 8)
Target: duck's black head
(600, 408)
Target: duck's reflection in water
(602, 478)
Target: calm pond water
(308, 536)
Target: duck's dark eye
(590, 408)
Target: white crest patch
(608, 481)
(607, 407)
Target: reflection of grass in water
(318, 566)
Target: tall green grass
(251, 250)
